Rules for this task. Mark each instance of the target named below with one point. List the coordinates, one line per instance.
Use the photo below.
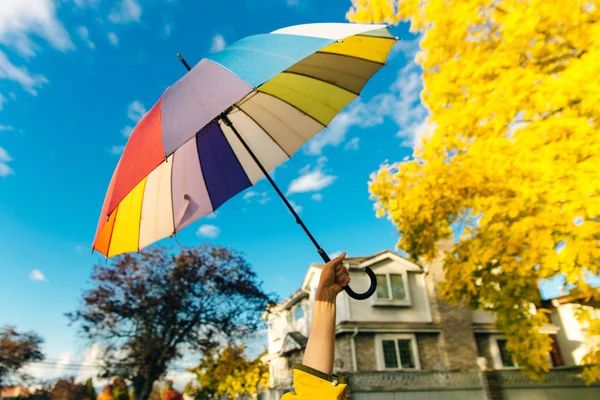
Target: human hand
(334, 277)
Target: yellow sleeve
(310, 384)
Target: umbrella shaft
(299, 221)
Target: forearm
(320, 349)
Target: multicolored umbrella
(232, 118)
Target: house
(405, 326)
(9, 392)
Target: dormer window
(392, 290)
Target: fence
(560, 383)
(417, 385)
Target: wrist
(325, 295)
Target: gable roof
(355, 263)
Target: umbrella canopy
(184, 160)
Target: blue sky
(75, 77)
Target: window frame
(390, 301)
(496, 355)
(395, 337)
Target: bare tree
(16, 351)
(151, 307)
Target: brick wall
(364, 345)
(343, 353)
(365, 352)
(457, 341)
(429, 350)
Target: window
(500, 355)
(392, 289)
(397, 286)
(299, 313)
(505, 357)
(397, 352)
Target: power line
(57, 364)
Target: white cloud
(92, 359)
(249, 195)
(311, 182)
(261, 198)
(352, 144)
(2, 101)
(218, 43)
(312, 179)
(5, 158)
(408, 48)
(43, 373)
(19, 20)
(168, 29)
(126, 11)
(180, 378)
(211, 215)
(84, 34)
(264, 198)
(408, 112)
(207, 230)
(317, 197)
(5, 170)
(127, 131)
(335, 254)
(298, 208)
(421, 131)
(116, 150)
(6, 128)
(37, 275)
(358, 114)
(20, 75)
(136, 111)
(79, 248)
(86, 3)
(113, 38)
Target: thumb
(339, 258)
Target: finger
(340, 270)
(341, 276)
(345, 281)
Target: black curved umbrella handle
(347, 289)
(369, 292)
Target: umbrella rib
(292, 105)
(274, 116)
(265, 131)
(171, 182)
(112, 230)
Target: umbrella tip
(185, 64)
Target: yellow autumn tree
(510, 159)
(229, 372)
